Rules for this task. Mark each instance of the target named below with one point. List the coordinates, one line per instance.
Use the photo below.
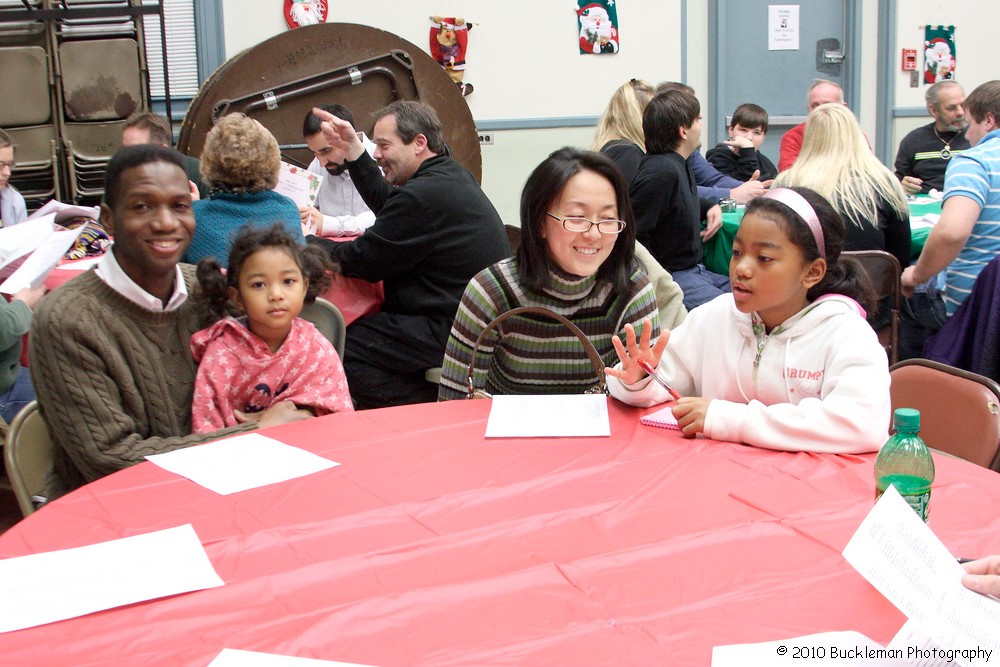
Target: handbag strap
(595, 358)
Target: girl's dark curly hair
(314, 263)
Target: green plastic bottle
(906, 463)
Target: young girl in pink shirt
(246, 365)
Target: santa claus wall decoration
(300, 13)
(939, 53)
(598, 24)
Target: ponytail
(213, 295)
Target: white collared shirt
(111, 272)
(344, 211)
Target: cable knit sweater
(114, 380)
(536, 354)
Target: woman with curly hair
(240, 163)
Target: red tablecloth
(431, 545)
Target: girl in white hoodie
(787, 361)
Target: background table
(433, 546)
(719, 248)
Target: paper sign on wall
(783, 27)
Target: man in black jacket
(433, 231)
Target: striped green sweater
(535, 354)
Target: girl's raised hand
(632, 351)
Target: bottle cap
(906, 419)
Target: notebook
(662, 418)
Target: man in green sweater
(110, 355)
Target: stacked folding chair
(101, 80)
(26, 106)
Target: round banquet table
(431, 545)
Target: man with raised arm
(433, 232)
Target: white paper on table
(33, 271)
(853, 648)
(298, 184)
(900, 555)
(241, 462)
(56, 585)
(80, 264)
(546, 416)
(65, 211)
(20, 239)
(230, 657)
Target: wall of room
(535, 93)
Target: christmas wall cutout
(939, 53)
(449, 39)
(299, 13)
(598, 23)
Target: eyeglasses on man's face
(9, 165)
(581, 225)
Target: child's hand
(283, 412)
(631, 352)
(738, 142)
(690, 413)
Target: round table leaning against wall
(431, 545)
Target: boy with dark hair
(664, 196)
(740, 157)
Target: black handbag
(600, 387)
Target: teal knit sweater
(220, 217)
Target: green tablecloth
(719, 248)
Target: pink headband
(798, 203)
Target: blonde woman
(619, 132)
(837, 162)
(240, 163)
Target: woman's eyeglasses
(581, 225)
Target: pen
(644, 365)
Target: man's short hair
(933, 94)
(673, 85)
(5, 140)
(312, 124)
(129, 157)
(750, 116)
(983, 100)
(826, 82)
(413, 118)
(664, 117)
(158, 127)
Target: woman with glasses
(12, 208)
(577, 259)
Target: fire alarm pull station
(909, 60)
